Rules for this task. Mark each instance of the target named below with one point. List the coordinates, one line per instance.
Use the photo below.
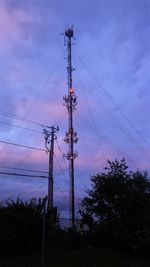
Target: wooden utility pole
(49, 144)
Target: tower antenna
(70, 101)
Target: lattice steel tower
(70, 102)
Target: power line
(89, 121)
(34, 176)
(61, 153)
(15, 144)
(113, 101)
(59, 165)
(26, 175)
(116, 123)
(125, 132)
(91, 152)
(66, 167)
(26, 170)
(7, 114)
(92, 119)
(20, 169)
(63, 172)
(17, 126)
(27, 111)
(38, 95)
(61, 191)
(46, 81)
(64, 164)
(118, 108)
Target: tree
(119, 201)
(20, 225)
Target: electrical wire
(91, 153)
(64, 172)
(35, 100)
(60, 166)
(45, 83)
(24, 118)
(123, 130)
(113, 101)
(20, 169)
(15, 144)
(67, 168)
(14, 116)
(63, 161)
(65, 198)
(20, 127)
(91, 116)
(34, 176)
(62, 153)
(89, 121)
(26, 175)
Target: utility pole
(70, 102)
(49, 144)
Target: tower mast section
(71, 136)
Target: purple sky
(112, 60)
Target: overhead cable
(15, 144)
(113, 101)
(26, 175)
(17, 126)
(20, 169)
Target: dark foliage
(119, 202)
(20, 225)
(116, 208)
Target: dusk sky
(111, 57)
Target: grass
(76, 258)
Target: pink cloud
(98, 160)
(14, 156)
(10, 29)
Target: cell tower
(70, 102)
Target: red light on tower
(71, 90)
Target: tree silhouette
(20, 225)
(119, 201)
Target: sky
(111, 57)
